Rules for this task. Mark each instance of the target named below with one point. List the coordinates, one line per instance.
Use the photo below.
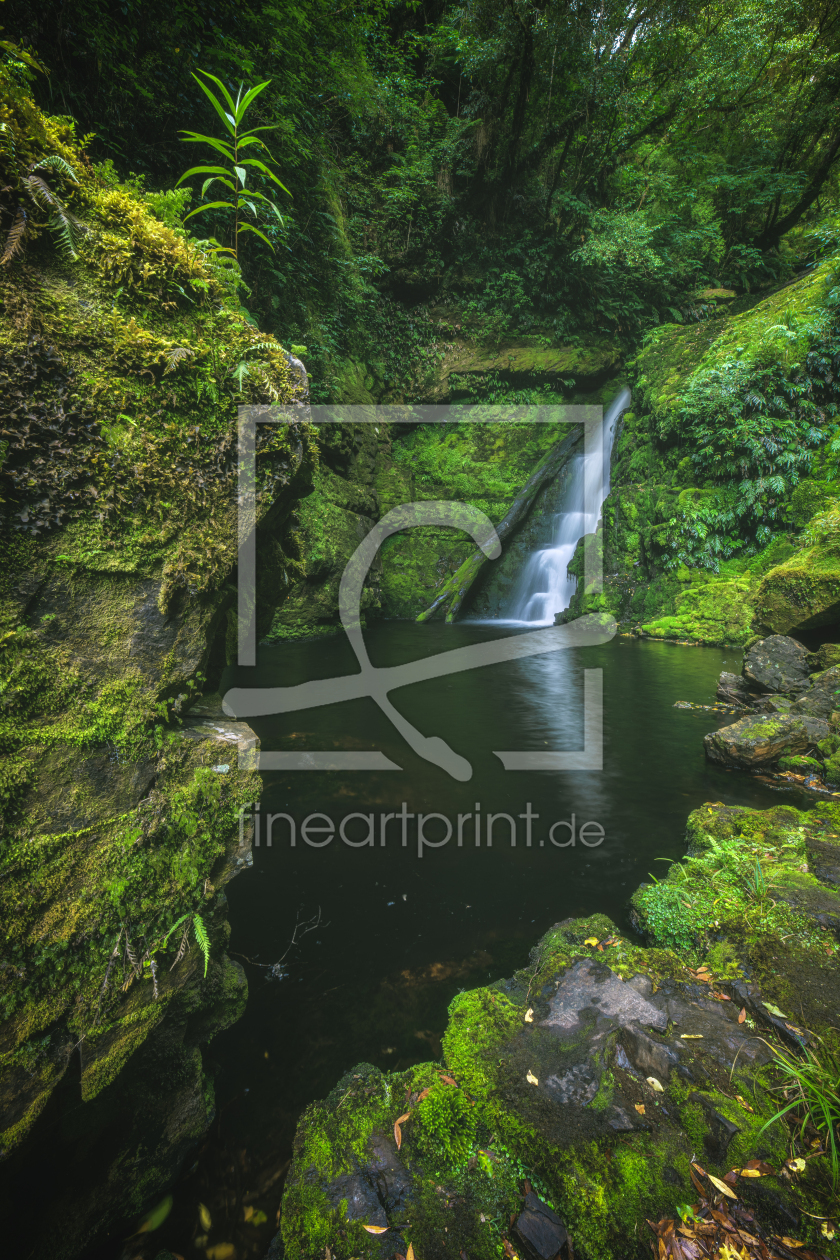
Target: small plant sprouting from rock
(234, 175)
(813, 1081)
(201, 937)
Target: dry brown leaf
(424, 1093)
(788, 1242)
(761, 1166)
(746, 1107)
(742, 1014)
(640, 1107)
(398, 1129)
(448, 1080)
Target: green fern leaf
(55, 163)
(202, 938)
(175, 925)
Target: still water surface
(400, 935)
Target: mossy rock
(546, 1076)
(803, 593)
(715, 613)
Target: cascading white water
(544, 587)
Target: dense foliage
(519, 167)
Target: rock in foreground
(757, 740)
(572, 1099)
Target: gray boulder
(822, 696)
(732, 689)
(777, 663)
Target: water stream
(545, 587)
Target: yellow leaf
(155, 1218)
(791, 1242)
(743, 1103)
(828, 1229)
(796, 1165)
(205, 1218)
(591, 940)
(750, 1172)
(409, 1255)
(655, 1085)
(221, 1251)
(691, 1036)
(722, 1186)
(640, 1107)
(376, 1229)
(529, 1015)
(531, 1079)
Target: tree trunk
(457, 587)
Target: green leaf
(248, 97)
(241, 172)
(211, 205)
(202, 938)
(214, 102)
(175, 925)
(249, 227)
(221, 146)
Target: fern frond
(66, 230)
(182, 948)
(7, 141)
(55, 163)
(175, 925)
(41, 193)
(174, 357)
(202, 938)
(14, 241)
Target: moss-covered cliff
(123, 356)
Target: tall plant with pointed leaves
(236, 148)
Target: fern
(174, 357)
(56, 163)
(14, 241)
(66, 231)
(202, 938)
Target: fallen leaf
(743, 1103)
(509, 1250)
(788, 1242)
(205, 1218)
(448, 1080)
(376, 1229)
(760, 1166)
(691, 1036)
(702, 1171)
(221, 1251)
(409, 1255)
(424, 1093)
(531, 1079)
(774, 1010)
(702, 970)
(828, 1229)
(398, 1130)
(591, 940)
(529, 1015)
(155, 1218)
(655, 1085)
(796, 1165)
(722, 1186)
(742, 1014)
(640, 1107)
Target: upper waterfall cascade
(545, 587)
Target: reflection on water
(400, 935)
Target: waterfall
(544, 587)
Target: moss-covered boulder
(803, 593)
(572, 1097)
(757, 740)
(717, 612)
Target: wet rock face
(540, 1229)
(777, 663)
(757, 740)
(822, 696)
